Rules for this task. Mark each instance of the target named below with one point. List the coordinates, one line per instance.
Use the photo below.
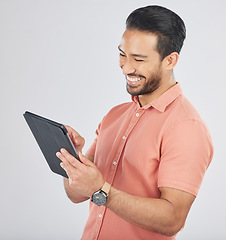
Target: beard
(148, 87)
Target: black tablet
(51, 137)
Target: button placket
(135, 118)
(114, 160)
(100, 214)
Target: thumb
(84, 160)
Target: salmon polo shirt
(139, 149)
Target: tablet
(51, 137)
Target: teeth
(133, 79)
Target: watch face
(99, 198)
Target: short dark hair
(165, 24)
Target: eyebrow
(134, 55)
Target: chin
(132, 91)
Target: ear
(171, 60)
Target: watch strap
(106, 188)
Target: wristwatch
(100, 197)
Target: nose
(127, 67)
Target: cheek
(149, 70)
(144, 69)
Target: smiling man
(145, 167)
(143, 66)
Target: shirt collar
(164, 100)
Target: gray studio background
(59, 59)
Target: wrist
(100, 197)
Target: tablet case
(51, 137)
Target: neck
(164, 86)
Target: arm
(165, 215)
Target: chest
(128, 151)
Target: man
(145, 167)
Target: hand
(76, 138)
(84, 176)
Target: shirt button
(137, 114)
(100, 215)
(124, 137)
(115, 163)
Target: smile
(133, 79)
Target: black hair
(165, 24)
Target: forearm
(154, 214)
(72, 195)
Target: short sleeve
(186, 153)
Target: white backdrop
(60, 59)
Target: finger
(71, 130)
(62, 158)
(73, 133)
(69, 173)
(76, 138)
(71, 159)
(68, 168)
(66, 162)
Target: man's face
(140, 62)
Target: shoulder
(180, 111)
(182, 118)
(184, 110)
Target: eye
(122, 55)
(139, 60)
